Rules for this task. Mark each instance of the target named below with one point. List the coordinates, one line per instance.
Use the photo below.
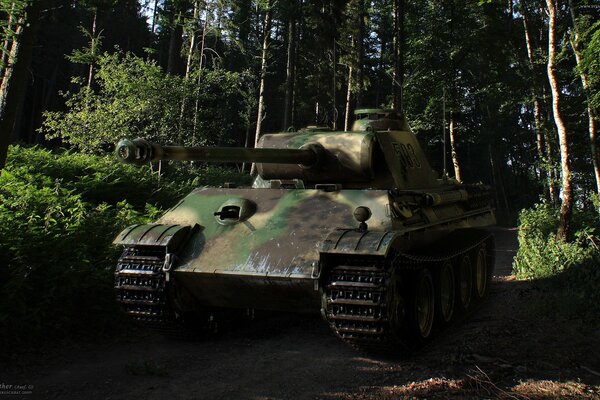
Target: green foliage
(136, 98)
(569, 271)
(89, 54)
(14, 10)
(590, 62)
(58, 217)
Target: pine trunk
(567, 197)
(290, 74)
(263, 77)
(175, 44)
(15, 86)
(360, 51)
(7, 42)
(398, 75)
(8, 71)
(537, 113)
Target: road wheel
(465, 281)
(446, 292)
(424, 304)
(481, 272)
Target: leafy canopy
(134, 97)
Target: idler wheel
(481, 272)
(465, 281)
(446, 291)
(424, 303)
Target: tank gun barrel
(140, 151)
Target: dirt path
(501, 351)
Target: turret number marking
(406, 155)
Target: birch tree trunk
(586, 88)
(348, 100)
(263, 78)
(93, 49)
(566, 206)
(188, 64)
(455, 163)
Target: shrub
(569, 271)
(58, 216)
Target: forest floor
(504, 350)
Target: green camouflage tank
(354, 224)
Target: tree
(290, 66)
(16, 76)
(594, 145)
(263, 74)
(135, 97)
(567, 193)
(398, 76)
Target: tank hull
(272, 258)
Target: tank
(354, 225)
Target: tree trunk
(537, 114)
(360, 51)
(188, 65)
(348, 100)
(567, 200)
(398, 76)
(290, 74)
(93, 49)
(8, 71)
(591, 112)
(200, 65)
(175, 44)
(453, 147)
(16, 84)
(263, 77)
(7, 42)
(154, 16)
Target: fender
(355, 242)
(173, 237)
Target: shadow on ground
(503, 350)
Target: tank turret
(354, 225)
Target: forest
(506, 93)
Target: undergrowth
(58, 216)
(568, 272)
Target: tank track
(357, 301)
(362, 298)
(141, 289)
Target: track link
(142, 290)
(364, 300)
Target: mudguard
(170, 236)
(352, 241)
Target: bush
(58, 216)
(569, 271)
(135, 97)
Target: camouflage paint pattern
(263, 247)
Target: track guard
(356, 242)
(172, 237)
